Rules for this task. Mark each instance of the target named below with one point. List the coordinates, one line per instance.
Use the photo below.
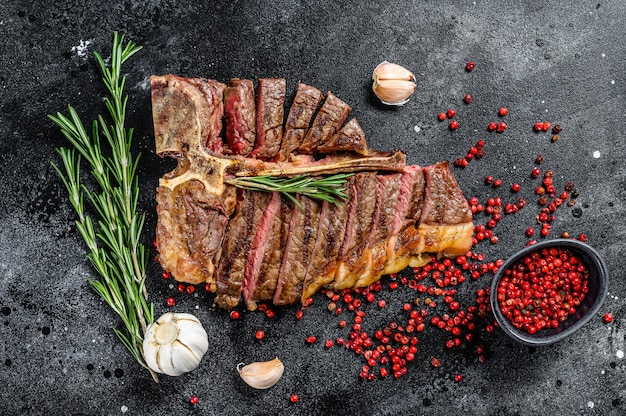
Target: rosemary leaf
(329, 188)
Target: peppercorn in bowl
(547, 291)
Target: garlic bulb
(262, 375)
(175, 343)
(393, 84)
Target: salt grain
(417, 129)
(124, 409)
(81, 49)
(596, 154)
(619, 354)
(590, 404)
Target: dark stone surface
(558, 61)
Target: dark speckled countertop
(561, 61)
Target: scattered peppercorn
(294, 398)
(467, 99)
(170, 301)
(260, 334)
(451, 113)
(454, 125)
(608, 317)
(469, 67)
(441, 116)
(194, 400)
(503, 111)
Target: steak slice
(267, 279)
(257, 250)
(298, 251)
(238, 241)
(350, 138)
(331, 230)
(301, 113)
(408, 212)
(186, 112)
(446, 219)
(269, 117)
(240, 114)
(327, 123)
(375, 254)
(361, 220)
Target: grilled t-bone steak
(258, 246)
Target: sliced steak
(301, 113)
(257, 249)
(274, 252)
(258, 244)
(408, 211)
(331, 230)
(187, 112)
(375, 254)
(350, 138)
(240, 112)
(298, 251)
(236, 247)
(446, 219)
(361, 220)
(269, 117)
(327, 123)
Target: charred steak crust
(258, 246)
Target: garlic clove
(185, 362)
(151, 357)
(165, 361)
(262, 375)
(393, 84)
(193, 338)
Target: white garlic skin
(263, 374)
(393, 84)
(175, 343)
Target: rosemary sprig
(329, 188)
(113, 239)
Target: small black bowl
(598, 287)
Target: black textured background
(562, 61)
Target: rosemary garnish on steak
(113, 238)
(328, 188)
